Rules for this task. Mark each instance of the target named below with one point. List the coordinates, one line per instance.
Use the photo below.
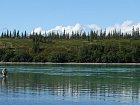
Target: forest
(78, 47)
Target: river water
(62, 84)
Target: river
(70, 84)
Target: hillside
(70, 50)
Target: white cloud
(68, 29)
(125, 27)
(38, 30)
(93, 26)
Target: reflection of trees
(106, 85)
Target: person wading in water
(4, 72)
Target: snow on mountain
(125, 27)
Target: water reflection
(4, 82)
(108, 86)
(92, 87)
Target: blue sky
(29, 14)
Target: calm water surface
(70, 85)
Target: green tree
(36, 43)
(57, 57)
(14, 33)
(82, 54)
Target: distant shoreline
(71, 63)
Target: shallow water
(70, 85)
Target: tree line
(84, 53)
(90, 36)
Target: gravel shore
(70, 63)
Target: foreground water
(70, 85)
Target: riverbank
(71, 63)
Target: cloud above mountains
(93, 27)
(59, 29)
(38, 30)
(125, 27)
(68, 29)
